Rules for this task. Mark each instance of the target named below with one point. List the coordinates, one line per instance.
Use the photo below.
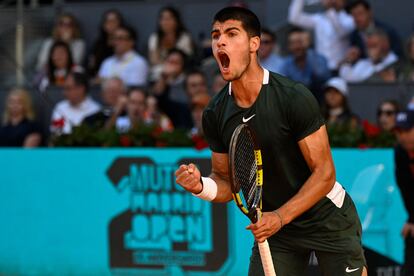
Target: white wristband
(209, 191)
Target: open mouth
(224, 60)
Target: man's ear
(254, 44)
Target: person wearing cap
(404, 173)
(335, 108)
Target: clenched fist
(188, 177)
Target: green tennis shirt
(284, 113)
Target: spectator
(365, 22)
(386, 115)
(267, 51)
(196, 83)
(103, 47)
(404, 172)
(171, 33)
(407, 68)
(304, 64)
(114, 99)
(59, 65)
(76, 106)
(379, 65)
(126, 63)
(66, 29)
(19, 128)
(198, 104)
(136, 107)
(153, 115)
(335, 108)
(331, 27)
(169, 90)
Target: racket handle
(266, 257)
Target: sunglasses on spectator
(386, 112)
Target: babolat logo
(164, 226)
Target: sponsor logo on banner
(164, 226)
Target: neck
(247, 87)
(15, 120)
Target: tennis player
(305, 209)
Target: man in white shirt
(76, 106)
(126, 63)
(331, 27)
(378, 64)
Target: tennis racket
(246, 177)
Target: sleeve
(358, 72)
(404, 180)
(342, 22)
(78, 51)
(185, 44)
(304, 116)
(211, 132)
(298, 17)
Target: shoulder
(219, 100)
(139, 59)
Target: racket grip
(266, 257)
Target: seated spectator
(136, 107)
(59, 65)
(103, 47)
(304, 64)
(171, 33)
(18, 128)
(378, 66)
(66, 29)
(114, 98)
(76, 106)
(169, 90)
(126, 63)
(331, 27)
(267, 51)
(198, 104)
(195, 83)
(335, 108)
(365, 22)
(154, 116)
(407, 68)
(387, 114)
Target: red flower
(363, 146)
(125, 141)
(157, 131)
(59, 123)
(370, 129)
(199, 142)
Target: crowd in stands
(171, 85)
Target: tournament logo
(164, 226)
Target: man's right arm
(298, 17)
(188, 176)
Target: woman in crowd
(335, 108)
(103, 46)
(387, 115)
(18, 128)
(170, 34)
(66, 29)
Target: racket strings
(246, 167)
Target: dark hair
(295, 29)
(394, 103)
(355, 3)
(195, 72)
(182, 54)
(51, 66)
(103, 36)
(80, 79)
(141, 89)
(269, 33)
(249, 20)
(180, 25)
(131, 32)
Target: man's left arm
(316, 151)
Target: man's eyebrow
(226, 30)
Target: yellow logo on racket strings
(258, 156)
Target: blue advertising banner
(119, 212)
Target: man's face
(406, 138)
(113, 89)
(377, 48)
(266, 45)
(122, 42)
(73, 93)
(196, 84)
(232, 48)
(136, 105)
(296, 44)
(362, 17)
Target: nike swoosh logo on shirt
(349, 270)
(245, 120)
